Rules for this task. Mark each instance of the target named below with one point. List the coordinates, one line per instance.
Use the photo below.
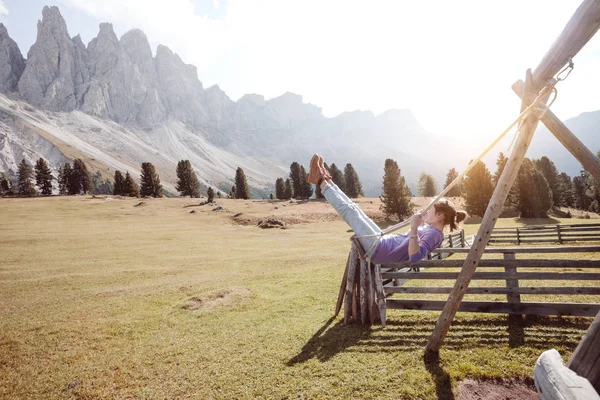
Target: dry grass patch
(216, 299)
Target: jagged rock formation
(12, 62)
(48, 78)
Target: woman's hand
(415, 221)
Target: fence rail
(560, 233)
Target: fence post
(559, 234)
(511, 298)
(518, 237)
(462, 238)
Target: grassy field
(103, 299)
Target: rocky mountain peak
(12, 63)
(47, 80)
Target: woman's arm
(413, 240)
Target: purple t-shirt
(393, 248)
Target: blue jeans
(353, 215)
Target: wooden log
(498, 290)
(496, 307)
(553, 380)
(570, 235)
(370, 291)
(404, 266)
(350, 284)
(340, 299)
(363, 291)
(589, 161)
(585, 360)
(555, 249)
(579, 30)
(533, 276)
(380, 295)
(512, 283)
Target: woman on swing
(413, 245)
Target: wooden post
(362, 291)
(342, 291)
(518, 238)
(462, 238)
(495, 206)
(380, 295)
(559, 234)
(350, 283)
(590, 162)
(585, 360)
(512, 298)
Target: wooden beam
(575, 309)
(495, 207)
(555, 249)
(571, 290)
(590, 162)
(579, 30)
(533, 276)
(497, 263)
(585, 360)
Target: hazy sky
(451, 62)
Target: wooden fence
(368, 290)
(560, 233)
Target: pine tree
(427, 186)
(119, 188)
(548, 169)
(43, 177)
(534, 195)
(288, 193)
(297, 179)
(218, 193)
(337, 177)
(150, 181)
(187, 183)
(242, 191)
(305, 187)
(456, 189)
(500, 164)
(279, 189)
(210, 193)
(396, 196)
(511, 199)
(353, 185)
(64, 179)
(271, 196)
(478, 189)
(82, 181)
(130, 188)
(566, 190)
(232, 193)
(5, 187)
(25, 173)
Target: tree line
(538, 186)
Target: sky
(451, 63)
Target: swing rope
(561, 76)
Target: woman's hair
(452, 216)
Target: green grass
(95, 303)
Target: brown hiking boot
(314, 173)
(325, 174)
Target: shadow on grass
(443, 384)
(331, 340)
(413, 335)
